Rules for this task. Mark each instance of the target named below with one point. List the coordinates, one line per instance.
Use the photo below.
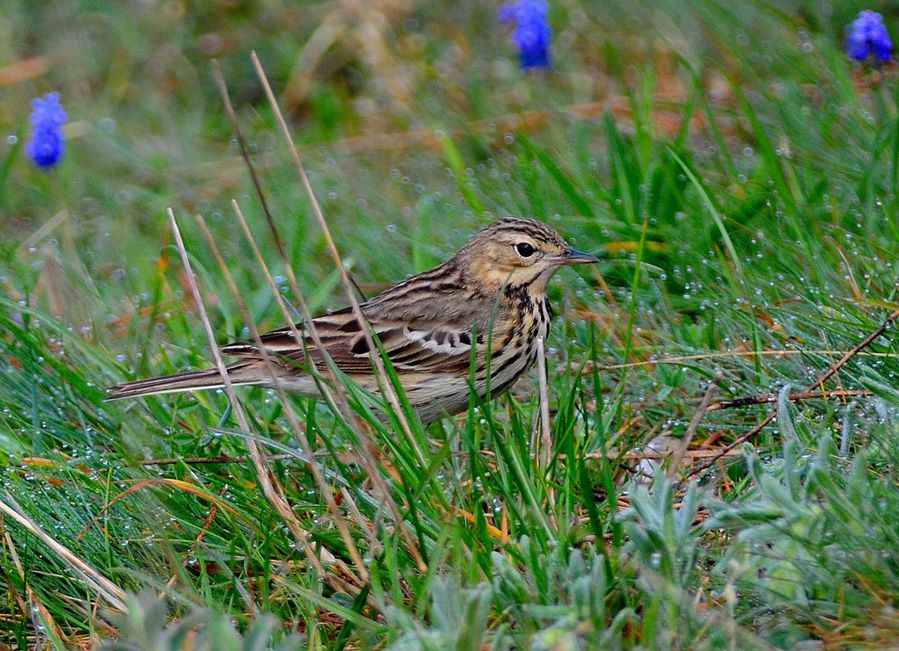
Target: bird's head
(518, 252)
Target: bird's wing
(412, 345)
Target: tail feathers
(241, 373)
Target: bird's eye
(525, 249)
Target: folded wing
(411, 346)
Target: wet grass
(734, 170)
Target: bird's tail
(240, 373)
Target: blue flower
(532, 32)
(867, 36)
(46, 145)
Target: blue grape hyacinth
(531, 33)
(46, 146)
(867, 37)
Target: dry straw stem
(279, 244)
(546, 442)
(678, 456)
(653, 454)
(40, 615)
(374, 545)
(140, 484)
(289, 410)
(254, 177)
(384, 380)
(817, 384)
(282, 254)
(272, 494)
(198, 540)
(109, 591)
(681, 359)
(222, 458)
(10, 548)
(339, 406)
(747, 401)
(386, 385)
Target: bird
(471, 323)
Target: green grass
(734, 170)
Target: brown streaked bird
(492, 292)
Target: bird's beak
(573, 256)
